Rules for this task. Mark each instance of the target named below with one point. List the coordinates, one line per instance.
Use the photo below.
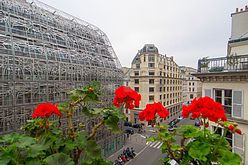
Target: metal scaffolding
(45, 52)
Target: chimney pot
(246, 8)
(237, 10)
(171, 58)
(241, 10)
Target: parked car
(180, 117)
(129, 131)
(176, 121)
(197, 123)
(129, 124)
(171, 129)
(137, 125)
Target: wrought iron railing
(223, 64)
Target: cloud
(187, 30)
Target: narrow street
(147, 153)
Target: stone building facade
(225, 79)
(158, 79)
(192, 86)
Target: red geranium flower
(238, 131)
(46, 109)
(231, 127)
(150, 111)
(205, 107)
(126, 95)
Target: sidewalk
(137, 141)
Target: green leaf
(229, 158)
(175, 147)
(112, 123)
(93, 151)
(25, 141)
(199, 150)
(97, 162)
(163, 131)
(36, 150)
(59, 159)
(81, 140)
(86, 111)
(10, 138)
(165, 160)
(33, 162)
(69, 146)
(96, 83)
(64, 104)
(75, 97)
(56, 131)
(5, 158)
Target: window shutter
(237, 104)
(208, 92)
(238, 145)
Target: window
(164, 96)
(160, 89)
(191, 96)
(151, 58)
(225, 98)
(190, 89)
(136, 73)
(193, 83)
(160, 97)
(144, 58)
(193, 89)
(151, 98)
(160, 81)
(151, 89)
(136, 89)
(151, 73)
(189, 83)
(136, 81)
(151, 81)
(137, 65)
(164, 89)
(151, 65)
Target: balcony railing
(223, 64)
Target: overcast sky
(185, 29)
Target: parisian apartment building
(158, 79)
(192, 86)
(225, 79)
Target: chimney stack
(246, 8)
(237, 10)
(171, 58)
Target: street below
(147, 153)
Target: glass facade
(44, 53)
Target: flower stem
(221, 140)
(69, 116)
(93, 134)
(216, 128)
(204, 122)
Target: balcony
(223, 64)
